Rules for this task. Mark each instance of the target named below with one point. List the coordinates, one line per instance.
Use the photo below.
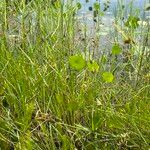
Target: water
(85, 14)
(106, 29)
(113, 3)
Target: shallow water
(137, 3)
(113, 6)
(106, 30)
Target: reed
(61, 87)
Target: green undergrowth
(54, 96)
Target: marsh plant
(61, 88)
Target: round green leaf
(116, 49)
(108, 77)
(93, 66)
(77, 62)
(96, 6)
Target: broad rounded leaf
(77, 62)
(96, 6)
(93, 66)
(108, 77)
(116, 49)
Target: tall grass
(56, 94)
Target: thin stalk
(145, 42)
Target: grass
(57, 91)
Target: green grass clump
(57, 93)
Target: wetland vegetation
(74, 77)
